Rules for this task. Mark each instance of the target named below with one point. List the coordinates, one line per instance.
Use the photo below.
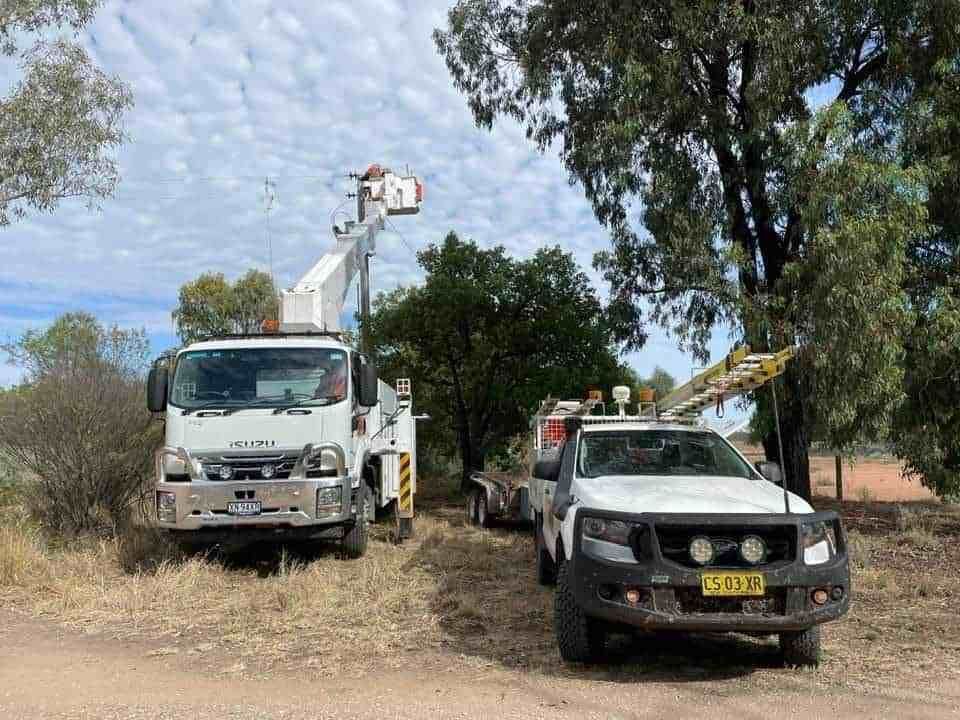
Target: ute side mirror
(547, 470)
(157, 389)
(368, 394)
(771, 471)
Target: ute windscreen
(658, 452)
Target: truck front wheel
(354, 542)
(801, 648)
(579, 637)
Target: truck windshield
(658, 452)
(261, 377)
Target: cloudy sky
(228, 94)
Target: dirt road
(47, 672)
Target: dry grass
(463, 596)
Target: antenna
(269, 197)
(776, 419)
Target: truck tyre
(579, 637)
(546, 568)
(801, 648)
(354, 542)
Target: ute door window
(260, 377)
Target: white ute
(655, 521)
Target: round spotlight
(268, 471)
(633, 596)
(752, 549)
(226, 472)
(820, 596)
(701, 550)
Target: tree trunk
(471, 457)
(793, 426)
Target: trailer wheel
(473, 499)
(484, 518)
(354, 542)
(579, 637)
(801, 649)
(546, 567)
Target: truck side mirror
(547, 469)
(771, 471)
(368, 394)
(157, 389)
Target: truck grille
(249, 467)
(780, 540)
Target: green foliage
(660, 381)
(210, 305)
(62, 118)
(694, 120)
(487, 337)
(78, 424)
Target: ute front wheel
(579, 637)
(801, 649)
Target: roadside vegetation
(463, 596)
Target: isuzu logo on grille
(252, 443)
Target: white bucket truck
(289, 435)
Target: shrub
(78, 423)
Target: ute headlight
(753, 549)
(701, 550)
(612, 531)
(818, 542)
(166, 506)
(329, 501)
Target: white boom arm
(316, 302)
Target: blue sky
(303, 92)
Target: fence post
(839, 472)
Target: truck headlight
(818, 542)
(174, 465)
(329, 501)
(612, 531)
(166, 506)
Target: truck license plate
(729, 583)
(246, 507)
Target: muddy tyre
(580, 638)
(546, 568)
(801, 649)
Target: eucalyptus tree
(62, 118)
(745, 157)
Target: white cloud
(228, 93)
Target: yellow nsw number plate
(731, 583)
